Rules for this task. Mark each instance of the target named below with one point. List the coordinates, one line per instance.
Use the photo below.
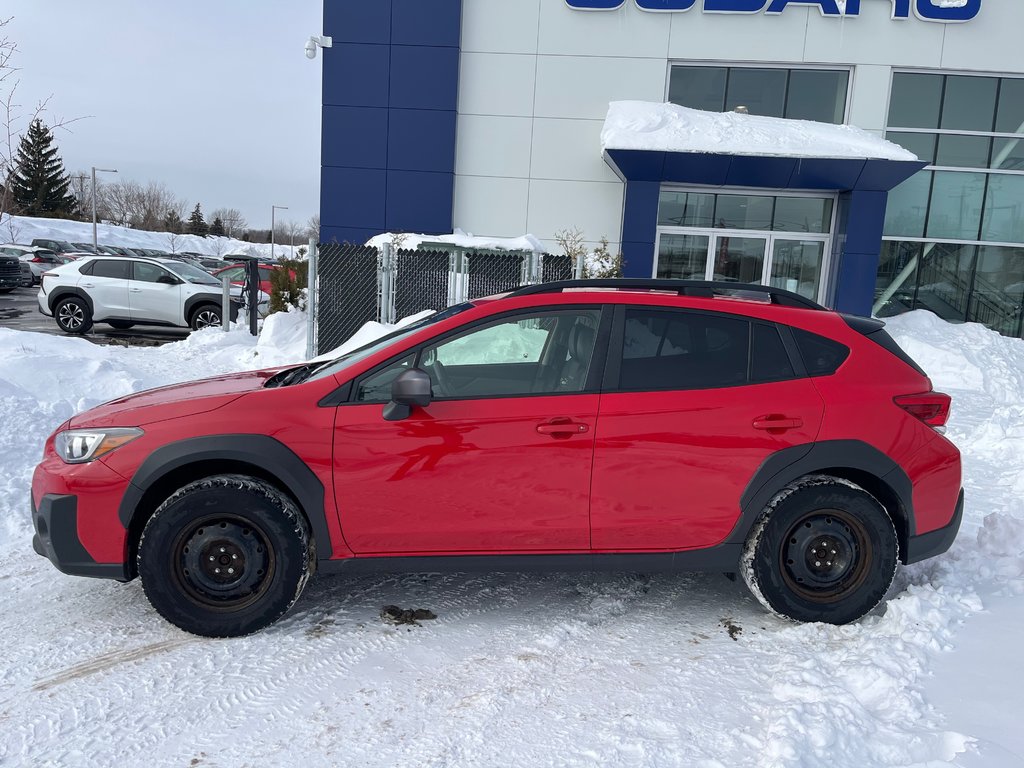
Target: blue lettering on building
(926, 10)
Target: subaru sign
(942, 11)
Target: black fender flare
(789, 464)
(193, 302)
(269, 455)
(59, 294)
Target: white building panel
(699, 36)
(497, 84)
(582, 86)
(625, 32)
(494, 146)
(488, 205)
(500, 26)
(569, 150)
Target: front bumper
(56, 538)
(935, 542)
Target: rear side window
(769, 360)
(822, 357)
(86, 269)
(116, 268)
(680, 350)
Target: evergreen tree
(196, 223)
(39, 184)
(173, 223)
(217, 228)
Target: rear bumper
(935, 542)
(56, 538)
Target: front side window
(148, 273)
(545, 353)
(376, 388)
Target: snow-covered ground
(518, 669)
(25, 229)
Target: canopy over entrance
(650, 145)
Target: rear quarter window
(821, 356)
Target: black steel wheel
(824, 551)
(73, 315)
(225, 556)
(205, 316)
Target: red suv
(627, 424)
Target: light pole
(94, 170)
(273, 209)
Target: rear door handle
(135, 290)
(774, 422)
(86, 285)
(562, 428)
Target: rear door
(693, 404)
(154, 295)
(107, 286)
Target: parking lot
(20, 310)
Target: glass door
(797, 265)
(738, 259)
(682, 257)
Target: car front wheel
(204, 317)
(225, 556)
(824, 550)
(73, 315)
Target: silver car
(39, 260)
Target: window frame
(115, 260)
(594, 376)
(135, 265)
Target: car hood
(173, 401)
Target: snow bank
(671, 128)
(25, 229)
(409, 241)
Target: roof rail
(704, 288)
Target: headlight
(77, 446)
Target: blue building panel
(355, 137)
(364, 22)
(353, 197)
(424, 77)
(357, 75)
(751, 171)
(419, 202)
(426, 22)
(421, 140)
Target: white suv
(123, 292)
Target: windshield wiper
(290, 376)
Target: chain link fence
(360, 283)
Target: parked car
(10, 272)
(60, 247)
(39, 260)
(117, 250)
(236, 274)
(88, 248)
(612, 424)
(124, 292)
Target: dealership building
(487, 115)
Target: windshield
(190, 273)
(343, 362)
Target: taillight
(37, 260)
(930, 407)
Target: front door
(154, 295)
(499, 461)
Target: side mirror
(168, 280)
(411, 388)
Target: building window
(800, 94)
(955, 231)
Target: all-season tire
(225, 556)
(73, 315)
(121, 325)
(824, 550)
(204, 316)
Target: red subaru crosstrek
(628, 424)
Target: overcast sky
(215, 99)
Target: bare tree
(130, 204)
(313, 227)
(232, 219)
(172, 241)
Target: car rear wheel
(225, 556)
(824, 550)
(204, 317)
(73, 316)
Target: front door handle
(135, 290)
(776, 422)
(86, 285)
(562, 428)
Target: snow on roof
(671, 128)
(410, 241)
